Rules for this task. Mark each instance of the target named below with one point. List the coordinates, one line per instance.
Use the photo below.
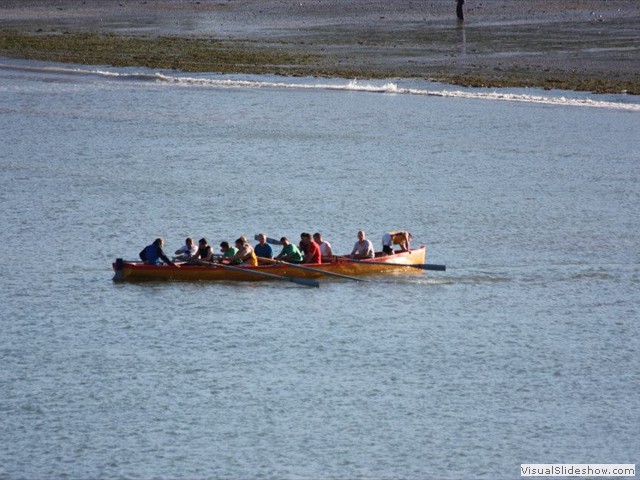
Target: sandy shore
(578, 44)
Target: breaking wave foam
(353, 86)
(393, 88)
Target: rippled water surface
(524, 351)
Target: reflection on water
(462, 38)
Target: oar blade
(429, 266)
(304, 281)
(271, 241)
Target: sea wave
(393, 88)
(352, 86)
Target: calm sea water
(525, 351)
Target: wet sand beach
(571, 44)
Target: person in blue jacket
(263, 249)
(153, 254)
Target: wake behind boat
(339, 266)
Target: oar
(311, 269)
(270, 240)
(422, 266)
(299, 281)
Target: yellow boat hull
(387, 264)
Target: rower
(363, 248)
(263, 249)
(325, 247)
(186, 251)
(401, 238)
(204, 253)
(289, 253)
(245, 255)
(227, 251)
(311, 249)
(152, 254)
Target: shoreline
(550, 44)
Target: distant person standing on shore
(459, 12)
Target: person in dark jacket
(205, 252)
(152, 254)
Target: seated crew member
(186, 251)
(363, 248)
(311, 249)
(401, 238)
(245, 254)
(302, 246)
(263, 249)
(204, 252)
(325, 247)
(152, 254)
(289, 253)
(227, 251)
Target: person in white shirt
(325, 247)
(186, 251)
(363, 247)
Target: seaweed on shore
(279, 58)
(178, 53)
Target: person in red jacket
(311, 248)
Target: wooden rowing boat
(382, 264)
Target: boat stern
(118, 268)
